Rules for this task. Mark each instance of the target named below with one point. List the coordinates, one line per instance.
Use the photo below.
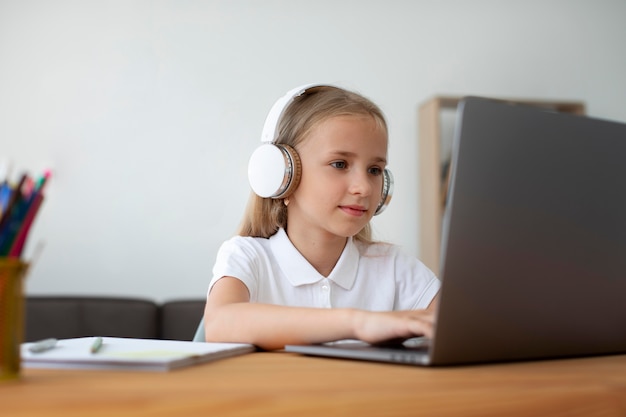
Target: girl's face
(343, 159)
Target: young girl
(304, 268)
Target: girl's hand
(376, 327)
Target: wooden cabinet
(436, 125)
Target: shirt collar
(300, 272)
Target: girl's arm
(230, 317)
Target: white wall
(147, 111)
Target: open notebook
(129, 353)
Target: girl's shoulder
(377, 249)
(244, 243)
(405, 267)
(390, 253)
(238, 239)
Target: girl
(304, 268)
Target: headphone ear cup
(274, 170)
(295, 171)
(387, 192)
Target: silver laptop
(534, 242)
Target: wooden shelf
(433, 163)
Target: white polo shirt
(376, 277)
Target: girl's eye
(338, 164)
(375, 171)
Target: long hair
(264, 216)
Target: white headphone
(274, 168)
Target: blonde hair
(264, 216)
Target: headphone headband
(276, 112)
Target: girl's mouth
(354, 210)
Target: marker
(96, 345)
(43, 345)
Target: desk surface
(285, 384)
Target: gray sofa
(66, 317)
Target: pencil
(96, 345)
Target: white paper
(129, 353)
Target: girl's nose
(361, 183)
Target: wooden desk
(285, 384)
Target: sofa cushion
(180, 319)
(66, 317)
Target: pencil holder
(12, 272)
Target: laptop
(533, 242)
